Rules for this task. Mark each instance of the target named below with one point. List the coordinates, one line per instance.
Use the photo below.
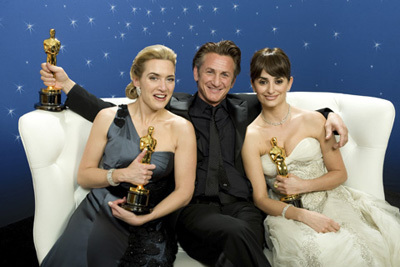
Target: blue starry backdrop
(346, 46)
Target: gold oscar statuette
(278, 156)
(50, 97)
(138, 197)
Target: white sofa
(54, 142)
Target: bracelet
(110, 179)
(285, 209)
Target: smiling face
(214, 78)
(156, 83)
(270, 90)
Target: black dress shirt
(200, 114)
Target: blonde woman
(101, 232)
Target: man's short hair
(222, 48)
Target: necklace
(277, 123)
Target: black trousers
(213, 233)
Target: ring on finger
(276, 185)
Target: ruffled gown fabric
(94, 237)
(370, 227)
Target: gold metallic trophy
(278, 156)
(138, 197)
(50, 97)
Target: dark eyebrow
(158, 75)
(265, 78)
(153, 73)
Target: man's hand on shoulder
(335, 123)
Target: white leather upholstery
(54, 143)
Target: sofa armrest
(53, 161)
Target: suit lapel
(180, 104)
(238, 111)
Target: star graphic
(17, 138)
(148, 13)
(62, 48)
(91, 21)
(377, 45)
(29, 27)
(213, 32)
(122, 35)
(199, 8)
(336, 35)
(238, 32)
(191, 28)
(10, 112)
(106, 55)
(128, 25)
(235, 7)
(185, 10)
(121, 74)
(145, 30)
(19, 88)
(274, 29)
(215, 10)
(169, 34)
(73, 23)
(134, 10)
(162, 10)
(113, 8)
(88, 63)
(306, 45)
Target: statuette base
(295, 200)
(137, 200)
(50, 100)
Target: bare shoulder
(255, 135)
(180, 124)
(308, 116)
(311, 121)
(108, 111)
(106, 115)
(253, 129)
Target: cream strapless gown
(370, 227)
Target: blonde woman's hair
(137, 69)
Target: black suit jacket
(242, 108)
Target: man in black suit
(221, 226)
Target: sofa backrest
(54, 143)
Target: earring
(138, 91)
